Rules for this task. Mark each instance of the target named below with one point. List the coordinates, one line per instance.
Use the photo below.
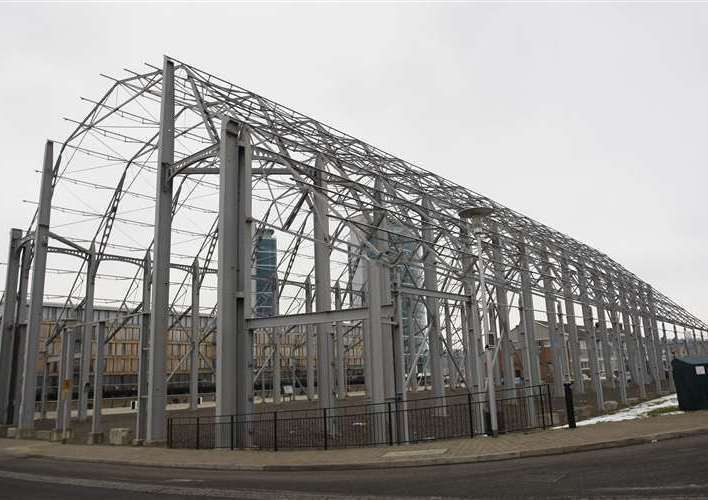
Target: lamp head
(475, 212)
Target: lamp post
(475, 215)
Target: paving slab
(478, 449)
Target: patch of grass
(661, 411)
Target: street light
(475, 215)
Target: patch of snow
(637, 411)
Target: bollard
(569, 406)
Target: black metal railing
(360, 425)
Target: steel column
(276, 337)
(430, 282)
(590, 337)
(310, 346)
(373, 352)
(18, 355)
(618, 343)
(64, 379)
(323, 290)
(502, 309)
(144, 352)
(96, 425)
(196, 333)
(340, 358)
(7, 327)
(529, 316)
(555, 340)
(602, 320)
(234, 356)
(471, 330)
(41, 242)
(87, 334)
(669, 357)
(160, 318)
(579, 385)
(641, 360)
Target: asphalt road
(674, 468)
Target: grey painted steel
(651, 347)
(669, 357)
(618, 344)
(373, 355)
(64, 376)
(433, 310)
(156, 430)
(20, 334)
(590, 337)
(41, 241)
(470, 334)
(323, 297)
(356, 188)
(234, 355)
(275, 339)
(663, 358)
(9, 318)
(579, 383)
(529, 316)
(99, 366)
(554, 334)
(340, 357)
(398, 361)
(85, 362)
(604, 337)
(487, 342)
(144, 353)
(196, 332)
(310, 346)
(636, 339)
(502, 310)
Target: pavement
(673, 468)
(448, 452)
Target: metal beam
(7, 327)
(234, 355)
(41, 241)
(156, 431)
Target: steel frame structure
(377, 234)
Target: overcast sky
(592, 119)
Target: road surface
(674, 468)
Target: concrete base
(138, 442)
(611, 405)
(3, 430)
(120, 436)
(584, 411)
(20, 433)
(58, 436)
(96, 438)
(43, 435)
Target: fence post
(469, 411)
(169, 433)
(232, 432)
(543, 407)
(275, 431)
(197, 432)
(324, 426)
(550, 402)
(569, 406)
(398, 421)
(390, 424)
